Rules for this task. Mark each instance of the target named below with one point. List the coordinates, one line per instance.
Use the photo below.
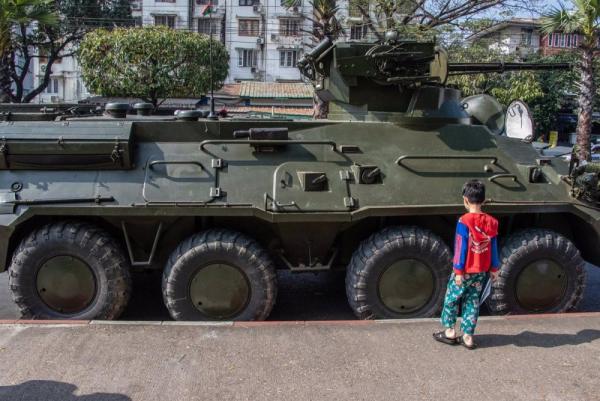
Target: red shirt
(476, 245)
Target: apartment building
(265, 40)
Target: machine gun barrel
(478, 68)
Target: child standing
(475, 253)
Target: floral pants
(467, 294)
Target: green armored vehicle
(218, 206)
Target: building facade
(264, 38)
(66, 83)
(524, 36)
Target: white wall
(508, 40)
(178, 8)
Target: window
(137, 21)
(167, 20)
(526, 36)
(247, 58)
(204, 26)
(248, 2)
(249, 27)
(358, 32)
(165, 1)
(52, 86)
(563, 40)
(287, 58)
(289, 27)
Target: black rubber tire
(377, 252)
(85, 241)
(522, 248)
(226, 246)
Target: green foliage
(16, 12)
(151, 63)
(583, 18)
(48, 38)
(546, 92)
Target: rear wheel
(69, 270)
(399, 272)
(542, 272)
(219, 275)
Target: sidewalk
(554, 357)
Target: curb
(282, 323)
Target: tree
(325, 25)
(14, 14)
(151, 63)
(585, 20)
(546, 92)
(54, 41)
(415, 16)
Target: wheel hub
(541, 285)
(66, 284)
(406, 286)
(219, 291)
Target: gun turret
(407, 78)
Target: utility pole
(212, 115)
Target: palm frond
(561, 19)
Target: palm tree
(583, 19)
(325, 25)
(13, 14)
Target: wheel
(542, 272)
(69, 270)
(399, 272)
(219, 275)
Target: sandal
(441, 337)
(462, 342)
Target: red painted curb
(8, 321)
(268, 323)
(52, 321)
(339, 322)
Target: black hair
(474, 191)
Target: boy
(475, 253)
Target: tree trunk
(586, 99)
(320, 107)
(5, 80)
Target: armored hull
(306, 200)
(218, 206)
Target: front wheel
(399, 272)
(541, 272)
(69, 270)
(219, 275)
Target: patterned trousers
(467, 295)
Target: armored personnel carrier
(218, 206)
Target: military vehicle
(219, 205)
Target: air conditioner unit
(55, 99)
(260, 41)
(258, 8)
(274, 37)
(296, 9)
(253, 70)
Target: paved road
(301, 297)
(519, 358)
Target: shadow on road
(48, 390)
(539, 340)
